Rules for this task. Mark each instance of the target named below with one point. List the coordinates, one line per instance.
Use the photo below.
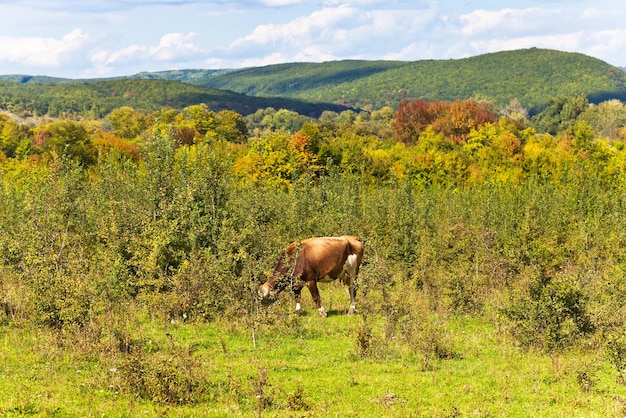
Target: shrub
(549, 313)
(296, 401)
(167, 378)
(616, 353)
(428, 339)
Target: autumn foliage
(454, 120)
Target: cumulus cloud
(507, 20)
(303, 30)
(172, 48)
(43, 52)
(94, 53)
(337, 32)
(569, 30)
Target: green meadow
(301, 365)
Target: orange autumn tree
(454, 120)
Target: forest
(97, 98)
(132, 247)
(533, 76)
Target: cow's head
(266, 291)
(269, 291)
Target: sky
(99, 38)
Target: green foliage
(70, 139)
(98, 98)
(560, 113)
(162, 378)
(551, 314)
(532, 76)
(13, 137)
(127, 123)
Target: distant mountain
(533, 76)
(98, 98)
(187, 76)
(21, 78)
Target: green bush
(166, 378)
(549, 313)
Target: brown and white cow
(316, 260)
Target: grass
(301, 366)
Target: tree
(461, 117)
(285, 119)
(230, 126)
(201, 117)
(71, 139)
(606, 118)
(560, 114)
(127, 123)
(515, 110)
(383, 115)
(12, 135)
(413, 117)
(454, 120)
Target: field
(303, 366)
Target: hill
(99, 97)
(23, 78)
(533, 76)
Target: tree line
(422, 142)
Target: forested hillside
(530, 77)
(533, 76)
(99, 97)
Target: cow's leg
(298, 294)
(315, 294)
(351, 270)
(352, 288)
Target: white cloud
(335, 33)
(174, 46)
(303, 30)
(606, 43)
(43, 52)
(505, 20)
(171, 48)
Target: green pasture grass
(279, 364)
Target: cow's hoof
(322, 312)
(352, 310)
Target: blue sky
(98, 38)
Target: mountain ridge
(533, 76)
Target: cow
(316, 260)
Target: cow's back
(321, 257)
